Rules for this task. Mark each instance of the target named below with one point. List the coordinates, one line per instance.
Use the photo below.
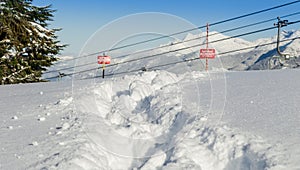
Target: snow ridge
(142, 123)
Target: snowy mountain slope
(181, 55)
(160, 58)
(215, 39)
(259, 58)
(65, 64)
(250, 59)
(153, 120)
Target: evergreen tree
(27, 46)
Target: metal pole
(278, 37)
(206, 58)
(103, 70)
(280, 24)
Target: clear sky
(79, 19)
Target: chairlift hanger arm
(279, 24)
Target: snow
(214, 38)
(34, 143)
(154, 120)
(256, 58)
(275, 101)
(41, 119)
(62, 63)
(15, 117)
(172, 117)
(41, 31)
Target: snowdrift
(149, 120)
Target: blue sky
(79, 19)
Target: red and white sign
(103, 59)
(209, 53)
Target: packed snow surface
(154, 120)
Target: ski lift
(279, 24)
(144, 68)
(61, 74)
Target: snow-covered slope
(256, 58)
(220, 42)
(65, 65)
(264, 57)
(264, 61)
(154, 120)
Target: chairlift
(279, 24)
(144, 68)
(61, 74)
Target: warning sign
(103, 59)
(209, 53)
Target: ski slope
(154, 120)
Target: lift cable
(189, 30)
(180, 49)
(167, 52)
(197, 45)
(197, 58)
(173, 63)
(175, 43)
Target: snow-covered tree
(27, 45)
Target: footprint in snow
(34, 143)
(65, 126)
(41, 119)
(15, 117)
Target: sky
(80, 19)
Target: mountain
(266, 57)
(173, 56)
(257, 56)
(220, 42)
